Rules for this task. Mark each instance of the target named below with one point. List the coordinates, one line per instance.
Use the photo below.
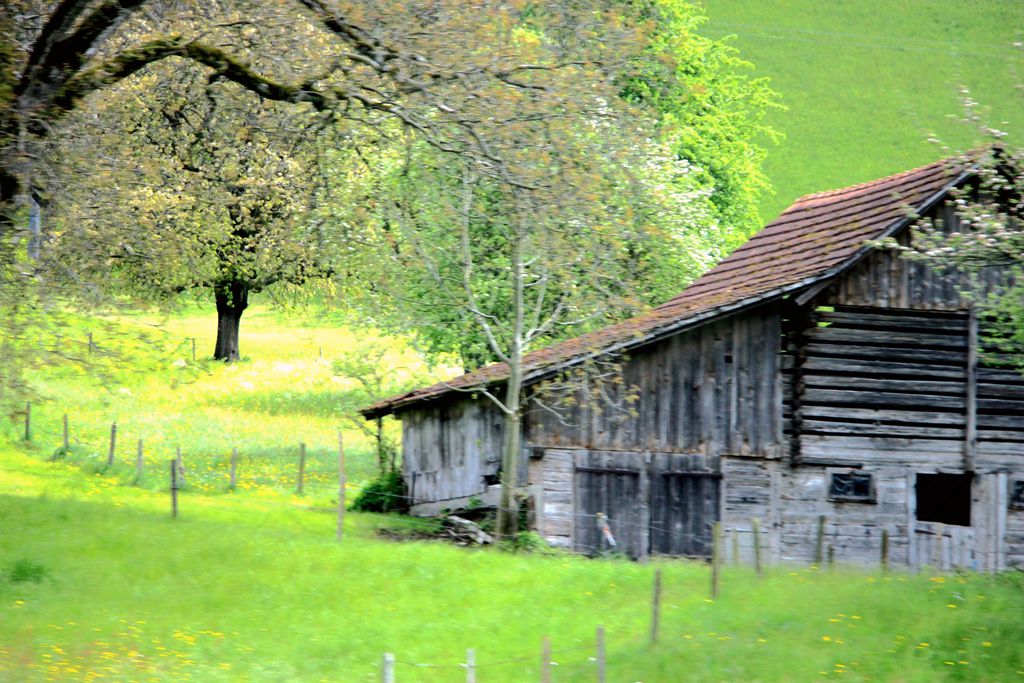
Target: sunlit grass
(253, 586)
(285, 392)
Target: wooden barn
(807, 380)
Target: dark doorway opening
(944, 498)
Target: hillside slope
(866, 82)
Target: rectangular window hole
(856, 487)
(944, 498)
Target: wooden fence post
(67, 435)
(233, 480)
(112, 449)
(735, 546)
(302, 468)
(90, 344)
(174, 489)
(831, 555)
(387, 669)
(138, 464)
(470, 665)
(885, 550)
(28, 420)
(601, 660)
(656, 605)
(545, 660)
(819, 546)
(193, 349)
(716, 557)
(341, 488)
(755, 525)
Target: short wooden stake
(716, 557)
(885, 550)
(138, 463)
(470, 665)
(831, 555)
(193, 349)
(387, 669)
(735, 545)
(601, 661)
(341, 489)
(755, 525)
(545, 660)
(233, 481)
(112, 449)
(656, 606)
(67, 435)
(28, 420)
(819, 547)
(174, 488)
(302, 468)
(90, 343)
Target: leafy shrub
(386, 493)
(26, 571)
(527, 542)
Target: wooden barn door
(684, 504)
(662, 503)
(608, 483)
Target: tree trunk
(232, 300)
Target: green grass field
(866, 82)
(98, 583)
(287, 394)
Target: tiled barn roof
(812, 240)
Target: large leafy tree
(429, 69)
(173, 184)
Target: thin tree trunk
(507, 522)
(232, 300)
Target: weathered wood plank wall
(449, 448)
(711, 390)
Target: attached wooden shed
(808, 378)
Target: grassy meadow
(865, 83)
(141, 375)
(98, 583)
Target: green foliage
(529, 542)
(714, 114)
(386, 493)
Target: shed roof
(813, 240)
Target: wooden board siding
(448, 448)
(711, 390)
(653, 503)
(887, 385)
(684, 504)
(885, 280)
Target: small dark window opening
(1017, 495)
(852, 486)
(944, 498)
